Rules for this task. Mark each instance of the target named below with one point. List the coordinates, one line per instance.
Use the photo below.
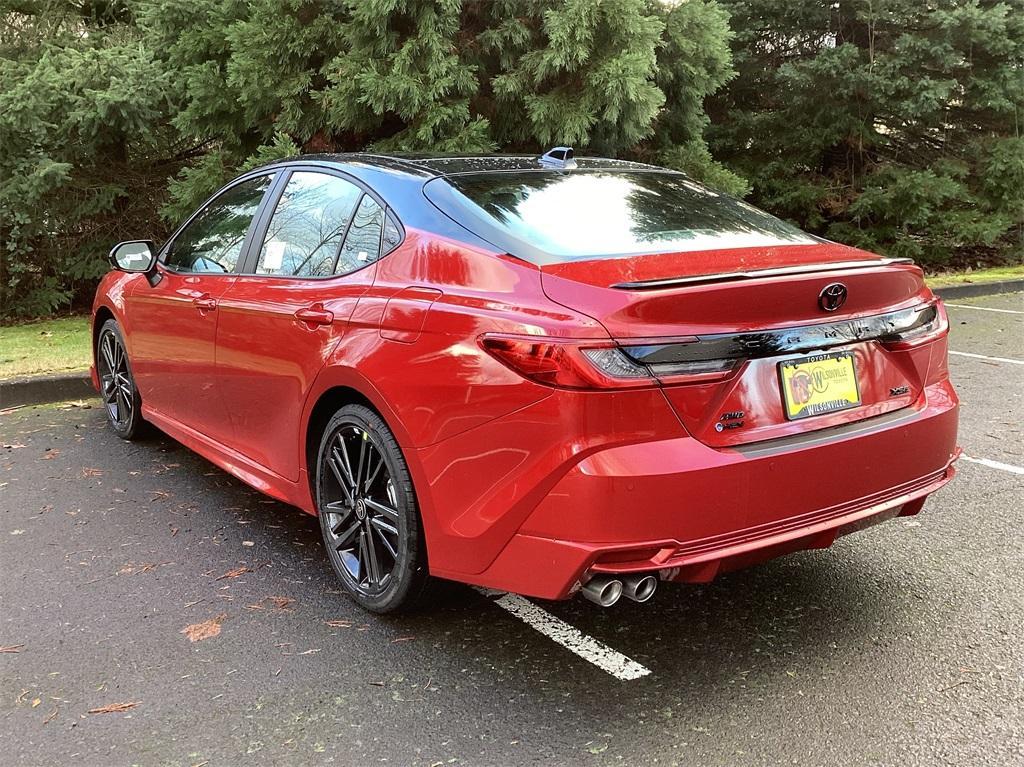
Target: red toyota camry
(542, 375)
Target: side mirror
(136, 256)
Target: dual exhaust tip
(606, 590)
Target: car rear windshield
(553, 216)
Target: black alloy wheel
(368, 513)
(117, 387)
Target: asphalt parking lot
(901, 645)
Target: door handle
(315, 315)
(205, 303)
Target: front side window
(307, 228)
(213, 240)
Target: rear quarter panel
(412, 349)
(415, 334)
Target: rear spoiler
(780, 271)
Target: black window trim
(275, 178)
(249, 260)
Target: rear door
(315, 252)
(174, 321)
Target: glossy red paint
(530, 488)
(269, 352)
(729, 306)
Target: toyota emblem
(832, 296)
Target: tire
(120, 396)
(368, 513)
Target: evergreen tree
(692, 64)
(401, 82)
(440, 75)
(83, 126)
(101, 101)
(584, 76)
(891, 124)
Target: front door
(174, 321)
(289, 307)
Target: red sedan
(541, 375)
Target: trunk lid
(724, 298)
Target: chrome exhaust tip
(602, 590)
(639, 587)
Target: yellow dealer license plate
(820, 384)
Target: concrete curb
(40, 390)
(980, 289)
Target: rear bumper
(689, 512)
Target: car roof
(428, 166)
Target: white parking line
(985, 308)
(983, 357)
(572, 639)
(995, 464)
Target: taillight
(715, 357)
(612, 362)
(596, 365)
(576, 364)
(913, 327)
(567, 364)
(701, 371)
(686, 359)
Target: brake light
(687, 359)
(913, 327)
(567, 364)
(596, 365)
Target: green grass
(49, 346)
(995, 274)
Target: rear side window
(308, 226)
(212, 241)
(392, 236)
(551, 216)
(362, 244)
